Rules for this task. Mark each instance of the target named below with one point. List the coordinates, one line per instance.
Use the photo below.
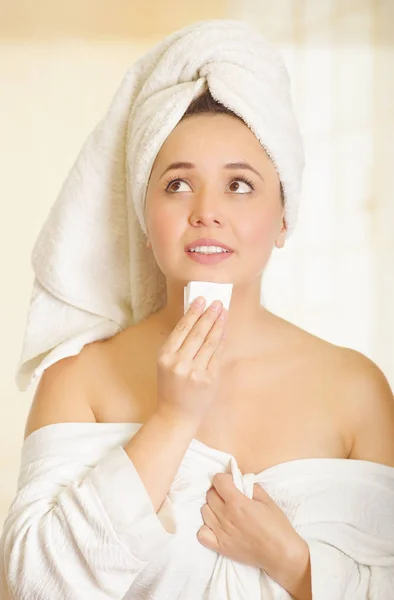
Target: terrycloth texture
(82, 525)
(94, 274)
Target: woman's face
(210, 199)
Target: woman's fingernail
(216, 305)
(199, 301)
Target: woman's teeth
(208, 250)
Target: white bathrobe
(82, 526)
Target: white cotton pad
(211, 291)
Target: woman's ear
(280, 240)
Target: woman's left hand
(253, 531)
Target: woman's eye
(174, 185)
(236, 183)
(236, 186)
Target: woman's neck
(247, 324)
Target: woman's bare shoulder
(370, 403)
(61, 395)
(121, 374)
(363, 396)
(67, 389)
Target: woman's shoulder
(354, 385)
(61, 395)
(120, 374)
(129, 352)
(370, 404)
(362, 393)
(73, 388)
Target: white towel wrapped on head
(94, 274)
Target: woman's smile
(209, 259)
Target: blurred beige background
(61, 63)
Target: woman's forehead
(210, 138)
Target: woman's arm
(79, 530)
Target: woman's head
(240, 206)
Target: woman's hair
(207, 104)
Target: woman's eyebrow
(189, 165)
(243, 165)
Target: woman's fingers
(200, 334)
(183, 327)
(211, 351)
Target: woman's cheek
(258, 234)
(162, 227)
(167, 237)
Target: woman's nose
(206, 211)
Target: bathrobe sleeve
(336, 575)
(344, 510)
(77, 531)
(350, 535)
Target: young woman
(175, 458)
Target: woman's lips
(209, 259)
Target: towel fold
(94, 275)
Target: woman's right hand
(188, 364)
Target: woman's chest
(271, 422)
(265, 414)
